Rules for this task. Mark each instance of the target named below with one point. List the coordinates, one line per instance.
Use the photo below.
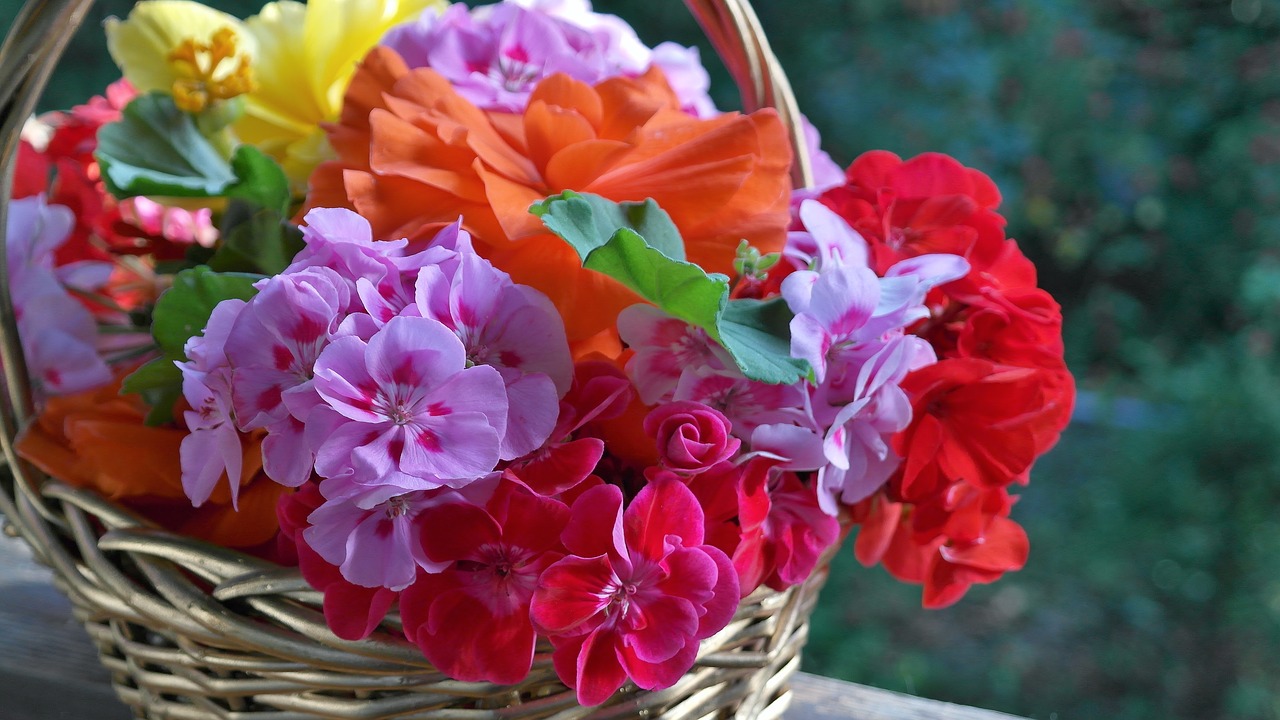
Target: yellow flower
(306, 55)
(193, 52)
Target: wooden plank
(49, 669)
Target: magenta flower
(784, 531)
(637, 592)
(690, 436)
(404, 410)
(352, 612)
(472, 619)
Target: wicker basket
(193, 631)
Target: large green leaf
(157, 149)
(680, 289)
(588, 221)
(758, 335)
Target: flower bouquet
(390, 359)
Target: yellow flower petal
(142, 43)
(306, 55)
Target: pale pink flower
(404, 410)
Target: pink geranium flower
(637, 592)
(665, 347)
(494, 55)
(511, 328)
(472, 619)
(405, 410)
(213, 449)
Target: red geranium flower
(472, 620)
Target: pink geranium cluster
(494, 55)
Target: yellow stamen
(202, 77)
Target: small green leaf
(161, 401)
(156, 149)
(588, 221)
(259, 179)
(180, 313)
(257, 242)
(155, 375)
(757, 334)
(680, 289)
(184, 309)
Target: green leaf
(259, 179)
(184, 309)
(157, 374)
(257, 242)
(156, 149)
(588, 221)
(180, 313)
(162, 401)
(680, 289)
(757, 334)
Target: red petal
(595, 524)
(664, 507)
(471, 644)
(599, 671)
(569, 593)
(455, 531)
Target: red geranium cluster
(998, 397)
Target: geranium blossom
(405, 410)
(494, 55)
(472, 619)
(637, 592)
(58, 333)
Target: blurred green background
(1137, 144)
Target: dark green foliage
(1137, 144)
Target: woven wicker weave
(194, 631)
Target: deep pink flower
(690, 436)
(637, 593)
(472, 619)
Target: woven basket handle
(36, 41)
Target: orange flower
(97, 440)
(414, 155)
